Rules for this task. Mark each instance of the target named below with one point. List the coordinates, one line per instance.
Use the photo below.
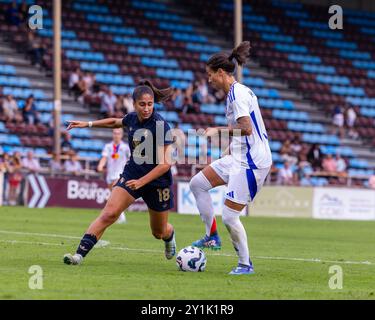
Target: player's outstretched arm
(110, 123)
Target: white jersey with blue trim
(251, 151)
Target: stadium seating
(123, 41)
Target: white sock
(199, 186)
(231, 219)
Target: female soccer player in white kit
(115, 154)
(245, 169)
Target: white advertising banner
(344, 204)
(187, 204)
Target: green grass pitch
(133, 265)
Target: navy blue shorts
(156, 198)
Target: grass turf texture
(109, 273)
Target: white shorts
(243, 184)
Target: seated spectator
(66, 145)
(340, 164)
(74, 83)
(187, 106)
(73, 165)
(304, 168)
(30, 114)
(89, 80)
(371, 182)
(10, 109)
(329, 164)
(285, 175)
(30, 163)
(128, 103)
(314, 156)
(120, 110)
(107, 106)
(338, 121)
(55, 164)
(351, 117)
(286, 153)
(295, 147)
(196, 96)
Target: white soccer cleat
(73, 259)
(170, 248)
(121, 219)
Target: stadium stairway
(40, 83)
(316, 114)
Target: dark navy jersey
(144, 139)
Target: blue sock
(87, 243)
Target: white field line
(100, 244)
(106, 244)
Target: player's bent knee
(229, 215)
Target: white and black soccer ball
(191, 259)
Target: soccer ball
(191, 259)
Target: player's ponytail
(226, 61)
(146, 87)
(241, 53)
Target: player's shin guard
(199, 186)
(87, 243)
(231, 219)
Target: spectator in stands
(89, 80)
(10, 109)
(120, 110)
(128, 103)
(55, 164)
(74, 83)
(286, 153)
(35, 49)
(204, 93)
(187, 106)
(196, 95)
(30, 163)
(329, 164)
(351, 116)
(285, 175)
(73, 165)
(295, 147)
(340, 164)
(314, 156)
(66, 145)
(371, 182)
(30, 113)
(304, 167)
(338, 121)
(107, 106)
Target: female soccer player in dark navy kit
(151, 180)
